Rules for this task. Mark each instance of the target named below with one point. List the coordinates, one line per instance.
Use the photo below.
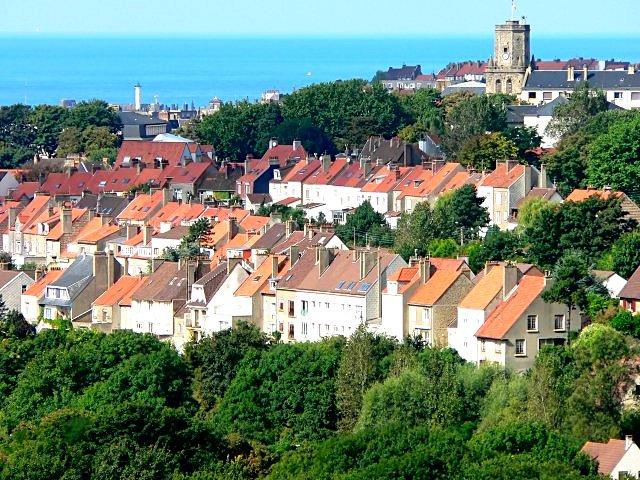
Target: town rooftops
(507, 313)
(487, 288)
(284, 154)
(56, 232)
(255, 282)
(25, 189)
(75, 278)
(147, 153)
(406, 72)
(33, 208)
(96, 230)
(433, 289)
(142, 207)
(106, 205)
(175, 233)
(632, 289)
(579, 195)
(505, 175)
(167, 283)
(210, 283)
(608, 455)
(598, 79)
(119, 290)
(37, 289)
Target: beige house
(31, 299)
(522, 324)
(434, 306)
(107, 308)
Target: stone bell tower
(511, 58)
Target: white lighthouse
(137, 97)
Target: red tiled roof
(33, 208)
(148, 151)
(405, 274)
(501, 178)
(37, 289)
(632, 289)
(505, 316)
(430, 292)
(142, 207)
(56, 232)
(125, 286)
(284, 153)
(27, 189)
(580, 195)
(608, 455)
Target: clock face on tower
(505, 56)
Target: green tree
(13, 325)
(96, 113)
(613, 158)
(47, 122)
(529, 211)
(481, 152)
(215, 360)
(524, 138)
(415, 231)
(313, 138)
(583, 104)
(367, 226)
(98, 138)
(497, 245)
(625, 254)
(355, 375)
(472, 117)
(69, 141)
(459, 214)
(572, 281)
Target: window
(483, 346)
(291, 330)
(326, 327)
(304, 328)
(635, 96)
(532, 323)
(292, 308)
(24, 288)
(617, 95)
(532, 95)
(546, 96)
(558, 322)
(281, 307)
(305, 308)
(521, 348)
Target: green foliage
(215, 360)
(415, 231)
(529, 211)
(584, 103)
(286, 213)
(625, 254)
(459, 214)
(13, 325)
(627, 323)
(285, 394)
(613, 157)
(472, 117)
(314, 140)
(444, 248)
(482, 152)
(524, 138)
(369, 227)
(498, 245)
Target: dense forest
(77, 404)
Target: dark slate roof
(133, 118)
(271, 237)
(74, 279)
(110, 205)
(405, 72)
(219, 182)
(516, 113)
(211, 283)
(257, 198)
(632, 289)
(605, 79)
(547, 109)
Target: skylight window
(351, 285)
(364, 287)
(340, 285)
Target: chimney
(632, 69)
(425, 269)
(13, 215)
(273, 143)
(111, 265)
(571, 76)
(38, 274)
(510, 278)
(167, 196)
(147, 233)
(247, 161)
(231, 264)
(297, 144)
(365, 166)
(367, 262)
(324, 257)
(233, 228)
(628, 441)
(50, 210)
(325, 161)
(100, 266)
(131, 231)
(294, 254)
(542, 180)
(275, 266)
(585, 73)
(288, 228)
(67, 220)
(510, 164)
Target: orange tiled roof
(125, 285)
(141, 207)
(437, 285)
(56, 232)
(126, 300)
(37, 289)
(95, 231)
(501, 178)
(253, 222)
(34, 207)
(450, 264)
(485, 290)
(608, 455)
(256, 281)
(404, 274)
(581, 195)
(510, 310)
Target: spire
(514, 7)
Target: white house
(613, 282)
(616, 458)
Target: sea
(177, 70)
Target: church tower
(512, 56)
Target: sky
(318, 18)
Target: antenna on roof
(514, 7)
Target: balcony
(192, 323)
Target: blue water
(38, 70)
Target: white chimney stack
(137, 97)
(628, 441)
